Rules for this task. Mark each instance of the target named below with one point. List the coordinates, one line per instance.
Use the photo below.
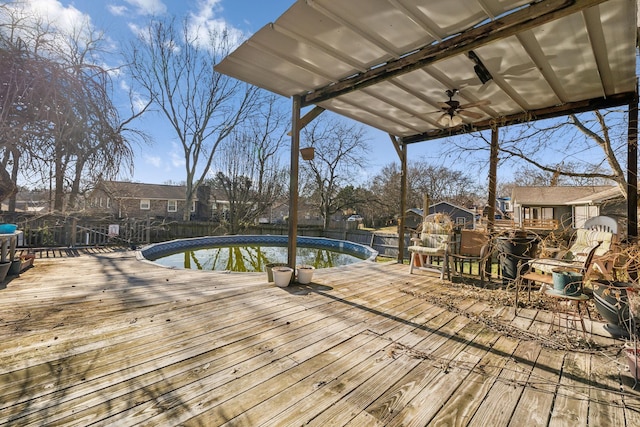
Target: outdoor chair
(588, 247)
(576, 255)
(602, 223)
(472, 251)
(434, 242)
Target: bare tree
(174, 68)
(56, 103)
(340, 156)
(438, 182)
(249, 169)
(576, 150)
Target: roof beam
(524, 19)
(527, 116)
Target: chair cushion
(435, 240)
(577, 254)
(546, 265)
(433, 228)
(587, 240)
(426, 250)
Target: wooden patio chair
(434, 242)
(473, 251)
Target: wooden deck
(101, 338)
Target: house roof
(419, 211)
(560, 195)
(389, 64)
(599, 197)
(136, 190)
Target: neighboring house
(503, 204)
(307, 214)
(29, 201)
(564, 206)
(461, 217)
(135, 200)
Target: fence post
(74, 232)
(148, 231)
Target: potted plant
(615, 280)
(610, 299)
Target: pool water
(252, 253)
(252, 258)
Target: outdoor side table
(572, 316)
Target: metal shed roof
(389, 63)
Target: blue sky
(163, 161)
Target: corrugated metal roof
(388, 63)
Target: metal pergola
(389, 63)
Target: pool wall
(157, 250)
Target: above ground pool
(253, 253)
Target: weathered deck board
(99, 337)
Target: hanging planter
(307, 153)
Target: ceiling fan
(452, 110)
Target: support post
(632, 171)
(493, 173)
(293, 183)
(402, 153)
(493, 179)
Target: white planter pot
(305, 274)
(282, 276)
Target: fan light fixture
(450, 120)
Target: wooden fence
(49, 231)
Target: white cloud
(117, 10)
(67, 20)
(148, 7)
(155, 161)
(205, 21)
(177, 158)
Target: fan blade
(476, 104)
(443, 105)
(470, 114)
